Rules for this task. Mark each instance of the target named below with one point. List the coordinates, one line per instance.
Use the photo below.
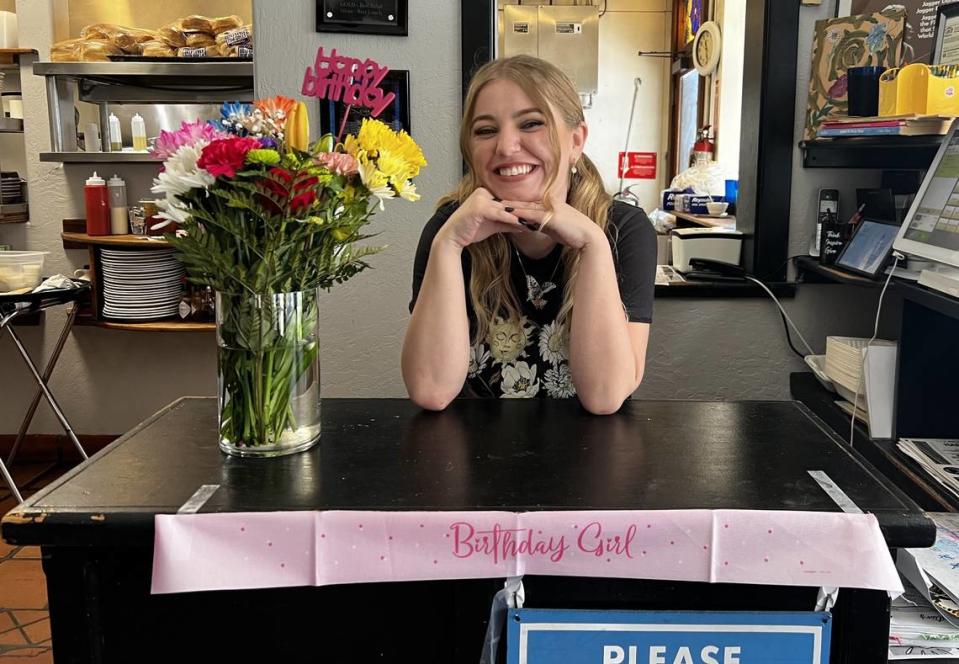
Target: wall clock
(706, 48)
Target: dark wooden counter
(95, 525)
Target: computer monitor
(931, 227)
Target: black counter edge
(724, 289)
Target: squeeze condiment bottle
(139, 130)
(119, 219)
(97, 203)
(116, 141)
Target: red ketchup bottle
(97, 201)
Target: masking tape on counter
(198, 499)
(833, 491)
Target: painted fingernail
(498, 200)
(509, 209)
(534, 227)
(523, 222)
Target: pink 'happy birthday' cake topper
(353, 81)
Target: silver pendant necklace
(536, 292)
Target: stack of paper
(845, 357)
(918, 631)
(925, 620)
(939, 457)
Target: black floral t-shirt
(527, 358)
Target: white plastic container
(20, 269)
(139, 131)
(714, 243)
(119, 221)
(116, 140)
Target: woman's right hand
(480, 216)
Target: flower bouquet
(266, 219)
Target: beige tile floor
(24, 621)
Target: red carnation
(304, 191)
(225, 156)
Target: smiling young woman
(553, 294)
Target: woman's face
(509, 142)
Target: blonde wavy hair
(491, 290)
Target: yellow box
(919, 89)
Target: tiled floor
(24, 621)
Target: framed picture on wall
(396, 115)
(368, 17)
(920, 33)
(946, 49)
(691, 14)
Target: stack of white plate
(844, 365)
(140, 285)
(10, 187)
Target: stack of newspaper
(925, 620)
(939, 457)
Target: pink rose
(338, 162)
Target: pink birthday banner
(231, 551)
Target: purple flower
(268, 142)
(839, 88)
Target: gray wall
(109, 380)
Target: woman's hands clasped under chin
(564, 223)
(478, 217)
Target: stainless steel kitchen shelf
(11, 126)
(173, 76)
(99, 157)
(108, 83)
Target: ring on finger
(546, 220)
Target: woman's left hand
(563, 223)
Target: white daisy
(551, 346)
(559, 382)
(479, 356)
(519, 381)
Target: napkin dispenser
(719, 244)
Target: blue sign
(546, 636)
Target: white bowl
(717, 207)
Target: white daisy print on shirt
(559, 382)
(508, 339)
(479, 356)
(551, 347)
(519, 381)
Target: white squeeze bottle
(116, 143)
(139, 133)
(119, 221)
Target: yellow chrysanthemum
(395, 168)
(375, 136)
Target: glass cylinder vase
(268, 370)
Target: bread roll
(172, 36)
(97, 50)
(157, 49)
(195, 39)
(225, 23)
(67, 50)
(195, 23)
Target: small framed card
(396, 115)
(369, 17)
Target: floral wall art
(841, 43)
